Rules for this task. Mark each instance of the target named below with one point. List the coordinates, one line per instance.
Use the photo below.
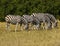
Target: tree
(18, 7)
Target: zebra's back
(12, 19)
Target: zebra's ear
(23, 16)
(32, 15)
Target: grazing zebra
(53, 20)
(12, 19)
(25, 22)
(32, 20)
(42, 18)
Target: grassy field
(29, 38)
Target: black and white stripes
(12, 19)
(35, 19)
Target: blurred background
(20, 7)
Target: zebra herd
(35, 19)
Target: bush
(29, 6)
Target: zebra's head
(28, 18)
(33, 14)
(55, 24)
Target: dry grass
(29, 38)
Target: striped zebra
(34, 21)
(53, 20)
(12, 19)
(42, 18)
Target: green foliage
(20, 7)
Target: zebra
(25, 22)
(34, 21)
(53, 20)
(15, 19)
(42, 18)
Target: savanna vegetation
(20, 7)
(29, 37)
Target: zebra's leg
(7, 26)
(54, 25)
(44, 25)
(48, 26)
(33, 27)
(30, 25)
(20, 26)
(16, 27)
(26, 26)
(37, 26)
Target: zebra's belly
(13, 22)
